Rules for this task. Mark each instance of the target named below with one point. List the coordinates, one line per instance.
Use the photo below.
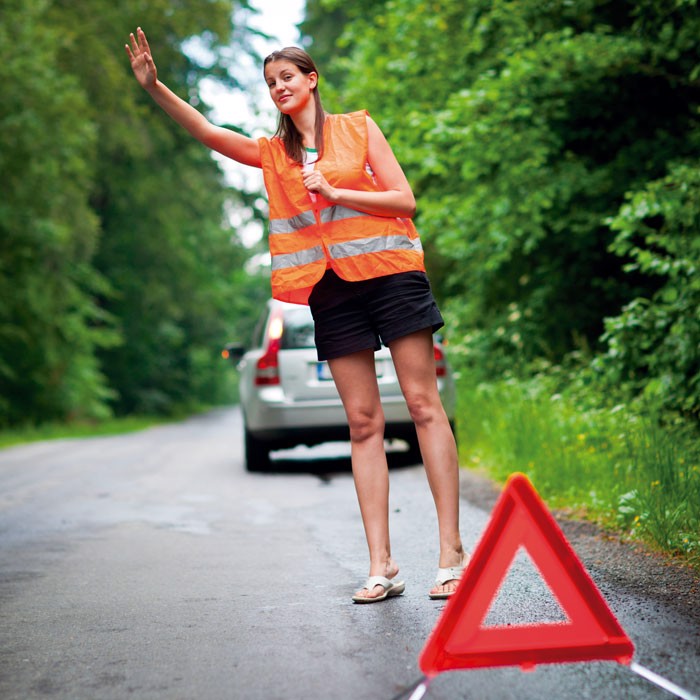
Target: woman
(342, 240)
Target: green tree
(653, 346)
(170, 255)
(120, 275)
(522, 125)
(321, 29)
(50, 326)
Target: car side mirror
(233, 352)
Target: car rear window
(298, 329)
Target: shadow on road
(329, 459)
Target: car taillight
(440, 362)
(267, 367)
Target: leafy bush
(627, 471)
(653, 346)
(50, 324)
(521, 127)
(120, 275)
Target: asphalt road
(152, 566)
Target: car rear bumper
(270, 408)
(274, 418)
(280, 438)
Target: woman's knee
(423, 408)
(365, 425)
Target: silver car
(288, 397)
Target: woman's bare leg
(415, 366)
(355, 377)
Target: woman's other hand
(317, 184)
(141, 60)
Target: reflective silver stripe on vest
(337, 212)
(306, 218)
(374, 245)
(301, 257)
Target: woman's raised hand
(226, 141)
(141, 60)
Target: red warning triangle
(590, 633)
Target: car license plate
(323, 372)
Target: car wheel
(257, 454)
(413, 454)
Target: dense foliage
(120, 278)
(554, 148)
(50, 323)
(555, 151)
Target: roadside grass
(627, 472)
(54, 431)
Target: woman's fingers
(313, 179)
(134, 45)
(139, 44)
(143, 42)
(140, 57)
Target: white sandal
(391, 588)
(453, 573)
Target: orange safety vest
(308, 236)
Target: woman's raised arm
(227, 142)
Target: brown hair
(286, 130)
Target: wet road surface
(152, 566)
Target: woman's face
(290, 89)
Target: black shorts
(354, 316)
